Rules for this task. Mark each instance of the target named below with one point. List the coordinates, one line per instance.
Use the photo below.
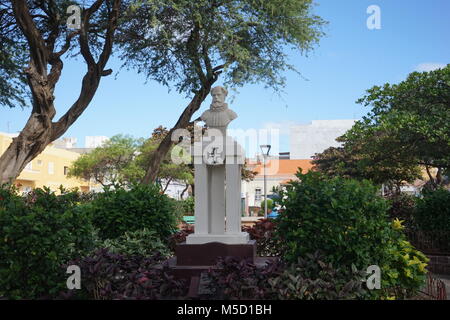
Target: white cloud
(429, 66)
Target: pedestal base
(206, 254)
(234, 238)
(191, 260)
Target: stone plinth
(207, 254)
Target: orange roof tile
(284, 166)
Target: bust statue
(218, 114)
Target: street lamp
(265, 148)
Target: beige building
(278, 173)
(48, 169)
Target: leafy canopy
(408, 127)
(185, 42)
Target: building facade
(307, 140)
(278, 173)
(49, 169)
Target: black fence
(432, 243)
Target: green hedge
(433, 211)
(347, 221)
(39, 233)
(118, 211)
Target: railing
(435, 288)
(432, 243)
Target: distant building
(50, 168)
(94, 141)
(284, 155)
(278, 173)
(307, 140)
(65, 143)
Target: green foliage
(311, 278)
(408, 126)
(270, 204)
(308, 278)
(185, 42)
(347, 221)
(402, 207)
(115, 212)
(263, 231)
(122, 161)
(111, 164)
(334, 215)
(433, 211)
(168, 170)
(403, 270)
(187, 206)
(141, 242)
(38, 234)
(113, 276)
(12, 77)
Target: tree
(122, 160)
(12, 57)
(112, 164)
(407, 128)
(362, 157)
(190, 43)
(39, 30)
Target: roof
(284, 166)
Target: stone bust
(218, 114)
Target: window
(51, 168)
(258, 194)
(39, 162)
(66, 170)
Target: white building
(306, 140)
(94, 141)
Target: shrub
(270, 204)
(403, 270)
(117, 211)
(142, 242)
(108, 275)
(39, 234)
(188, 206)
(402, 207)
(433, 211)
(309, 278)
(312, 278)
(263, 231)
(347, 221)
(232, 278)
(180, 236)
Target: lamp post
(265, 148)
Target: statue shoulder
(231, 114)
(205, 115)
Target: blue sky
(349, 59)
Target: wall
(306, 140)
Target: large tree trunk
(182, 123)
(40, 130)
(31, 141)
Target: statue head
(218, 94)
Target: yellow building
(48, 169)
